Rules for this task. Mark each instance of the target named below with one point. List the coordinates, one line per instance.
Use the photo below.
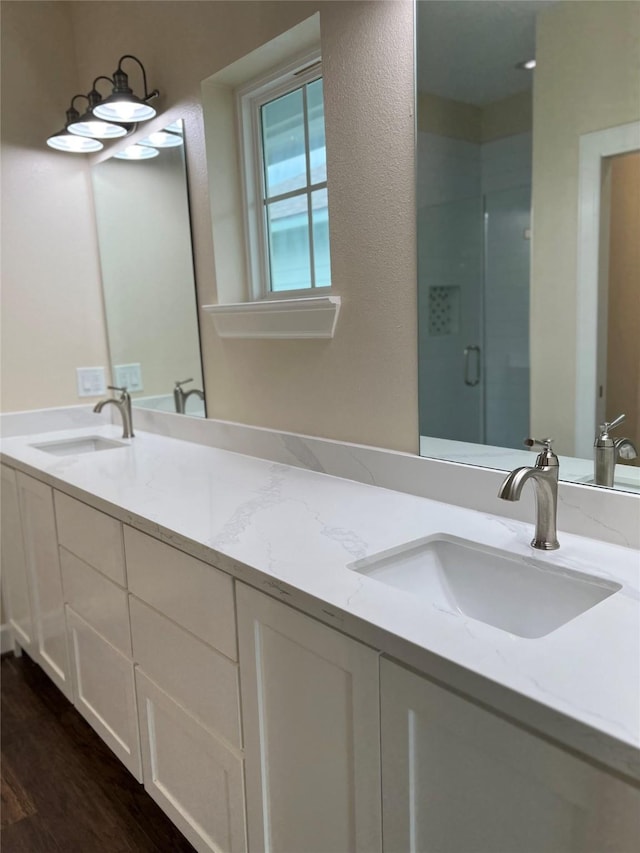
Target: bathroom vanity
(224, 625)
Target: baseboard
(6, 639)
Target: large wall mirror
(528, 144)
(144, 233)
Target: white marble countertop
(292, 533)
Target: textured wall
(362, 385)
(52, 316)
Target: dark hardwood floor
(62, 788)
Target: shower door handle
(467, 353)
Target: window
(285, 181)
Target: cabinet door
(310, 705)
(15, 585)
(195, 778)
(43, 567)
(456, 778)
(104, 691)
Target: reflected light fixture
(89, 125)
(122, 105)
(162, 139)
(527, 65)
(137, 152)
(63, 140)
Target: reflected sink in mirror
(74, 446)
(516, 594)
(630, 481)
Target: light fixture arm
(94, 96)
(72, 112)
(120, 78)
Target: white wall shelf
(277, 319)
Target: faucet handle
(117, 388)
(546, 457)
(540, 442)
(607, 426)
(183, 382)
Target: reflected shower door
(507, 215)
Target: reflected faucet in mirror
(180, 397)
(544, 476)
(123, 405)
(608, 450)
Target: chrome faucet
(180, 397)
(544, 475)
(607, 451)
(123, 405)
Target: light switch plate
(91, 381)
(128, 376)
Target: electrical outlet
(91, 381)
(128, 376)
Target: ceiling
(467, 49)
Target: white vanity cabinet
(15, 584)
(37, 516)
(102, 671)
(457, 778)
(184, 643)
(310, 705)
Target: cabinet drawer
(91, 535)
(104, 691)
(188, 591)
(194, 779)
(199, 678)
(100, 602)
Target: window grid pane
(288, 230)
(295, 194)
(284, 144)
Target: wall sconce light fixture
(122, 105)
(89, 125)
(111, 118)
(63, 140)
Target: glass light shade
(123, 108)
(162, 139)
(175, 126)
(64, 141)
(95, 128)
(136, 152)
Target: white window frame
(250, 98)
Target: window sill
(277, 319)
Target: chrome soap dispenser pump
(607, 450)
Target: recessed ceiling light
(527, 65)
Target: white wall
(52, 315)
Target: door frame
(594, 148)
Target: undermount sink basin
(521, 595)
(73, 446)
